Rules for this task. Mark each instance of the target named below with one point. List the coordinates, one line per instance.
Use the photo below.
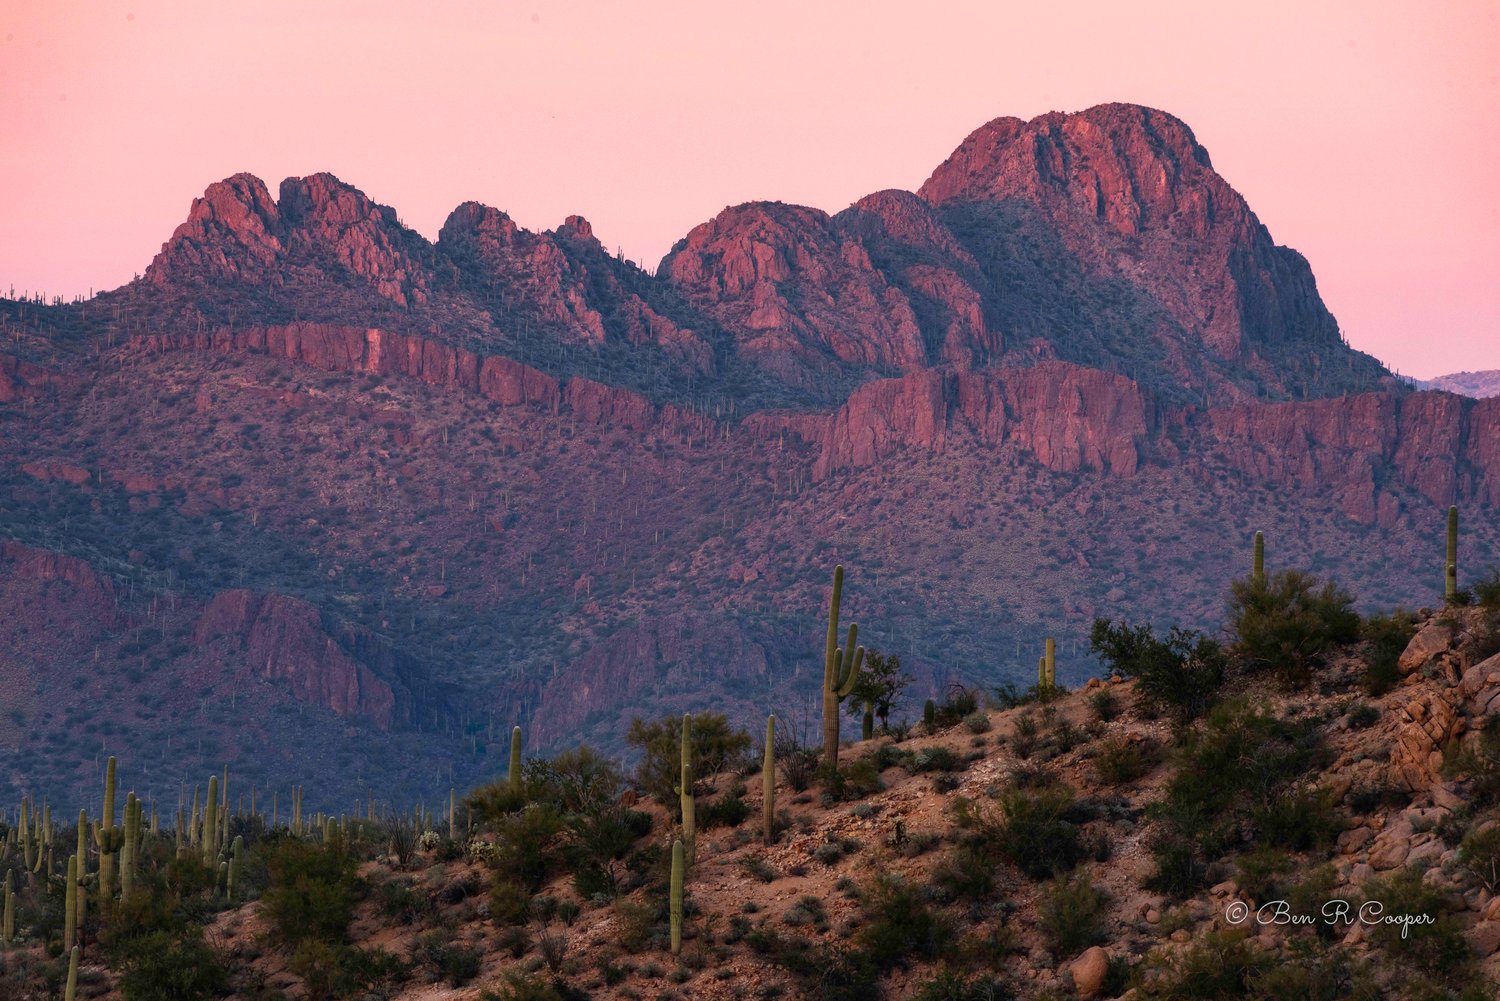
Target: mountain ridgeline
(319, 496)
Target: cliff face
(282, 640)
(1444, 447)
(1067, 417)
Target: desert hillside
(1103, 843)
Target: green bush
(951, 985)
(1479, 759)
(1479, 854)
(1105, 704)
(715, 746)
(1241, 759)
(1122, 760)
(171, 966)
(1221, 966)
(1436, 947)
(958, 703)
(900, 926)
(1385, 638)
(312, 894)
(1181, 674)
(1288, 623)
(1071, 915)
(1032, 831)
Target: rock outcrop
(1068, 417)
(283, 639)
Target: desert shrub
(398, 901)
(1121, 760)
(933, 759)
(1288, 623)
(966, 873)
(455, 963)
(1221, 966)
(1385, 638)
(1181, 674)
(1033, 831)
(519, 986)
(1479, 759)
(1436, 947)
(171, 966)
(958, 703)
(527, 844)
(977, 722)
(1362, 716)
(951, 985)
(578, 781)
(727, 810)
(1479, 854)
(1027, 736)
(797, 761)
(1486, 589)
(312, 894)
(330, 970)
(714, 745)
(1177, 867)
(510, 902)
(1299, 818)
(899, 925)
(1071, 915)
(1259, 872)
(1243, 765)
(1105, 704)
(855, 780)
(877, 691)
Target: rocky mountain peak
(233, 230)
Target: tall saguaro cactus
(674, 903)
(840, 671)
(70, 992)
(70, 904)
(768, 784)
(515, 761)
(107, 837)
(685, 791)
(1258, 568)
(211, 821)
(1450, 566)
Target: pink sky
(1366, 135)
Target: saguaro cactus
(236, 864)
(107, 837)
(8, 929)
(1258, 567)
(129, 845)
(1450, 566)
(679, 866)
(71, 991)
(1049, 663)
(685, 791)
(929, 716)
(70, 904)
(515, 761)
(840, 671)
(211, 821)
(768, 783)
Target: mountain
(321, 497)
(1479, 385)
